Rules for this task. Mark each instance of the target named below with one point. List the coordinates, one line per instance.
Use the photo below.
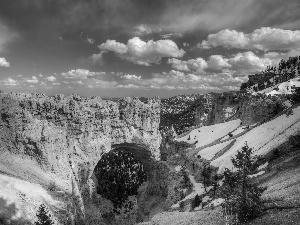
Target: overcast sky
(118, 48)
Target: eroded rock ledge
(68, 134)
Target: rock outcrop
(67, 135)
(214, 108)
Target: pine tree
(242, 197)
(43, 217)
(295, 97)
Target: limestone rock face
(238, 105)
(214, 108)
(68, 134)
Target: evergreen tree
(43, 217)
(295, 97)
(242, 197)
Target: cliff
(214, 108)
(65, 136)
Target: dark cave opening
(119, 174)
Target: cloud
(86, 38)
(248, 62)
(95, 83)
(265, 38)
(81, 74)
(142, 30)
(141, 52)
(195, 15)
(241, 63)
(9, 82)
(51, 78)
(178, 80)
(33, 80)
(3, 62)
(114, 46)
(197, 65)
(97, 58)
(171, 35)
(7, 35)
(131, 77)
(217, 62)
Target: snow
(263, 166)
(257, 174)
(263, 138)
(209, 152)
(208, 134)
(178, 168)
(282, 88)
(216, 202)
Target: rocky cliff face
(68, 134)
(216, 108)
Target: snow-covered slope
(208, 134)
(282, 88)
(262, 138)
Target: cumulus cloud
(3, 62)
(249, 62)
(242, 64)
(97, 58)
(179, 80)
(33, 80)
(131, 77)
(80, 74)
(9, 82)
(218, 62)
(114, 46)
(141, 52)
(197, 65)
(51, 78)
(265, 38)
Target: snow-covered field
(209, 152)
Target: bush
(196, 201)
(51, 186)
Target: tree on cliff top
(242, 197)
(43, 217)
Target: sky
(117, 48)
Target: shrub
(51, 186)
(196, 201)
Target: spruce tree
(242, 196)
(43, 217)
